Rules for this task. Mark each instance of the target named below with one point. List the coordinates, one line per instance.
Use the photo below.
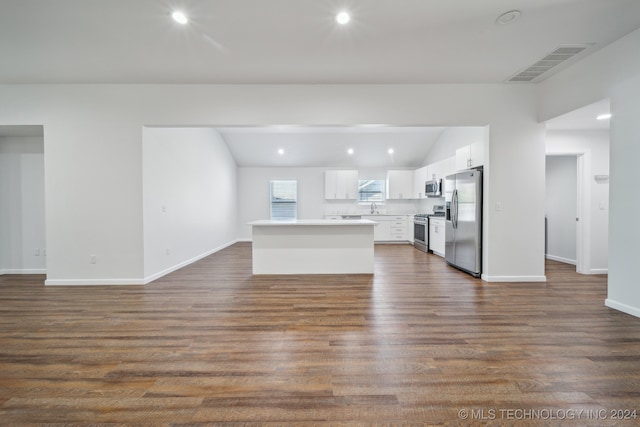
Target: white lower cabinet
(381, 231)
(436, 235)
(398, 229)
(390, 228)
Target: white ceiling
(298, 41)
(295, 41)
(308, 146)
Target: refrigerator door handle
(453, 209)
(454, 205)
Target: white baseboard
(633, 311)
(123, 282)
(183, 264)
(573, 262)
(560, 259)
(246, 239)
(93, 282)
(23, 271)
(516, 279)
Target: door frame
(583, 201)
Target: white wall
(94, 156)
(613, 72)
(22, 211)
(624, 230)
(561, 207)
(253, 194)
(593, 147)
(189, 197)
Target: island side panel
(313, 249)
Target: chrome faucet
(373, 207)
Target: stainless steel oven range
(421, 232)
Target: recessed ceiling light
(280, 151)
(508, 17)
(180, 17)
(350, 151)
(390, 151)
(603, 117)
(343, 18)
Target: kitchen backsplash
(390, 206)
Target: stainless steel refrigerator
(463, 231)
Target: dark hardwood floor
(417, 343)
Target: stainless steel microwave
(433, 188)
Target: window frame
(382, 183)
(273, 182)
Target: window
(284, 200)
(371, 190)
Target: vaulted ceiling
(308, 146)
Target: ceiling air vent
(547, 63)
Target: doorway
(22, 200)
(580, 141)
(561, 209)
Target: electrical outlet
(37, 252)
(44, 251)
(94, 259)
(498, 206)
(168, 251)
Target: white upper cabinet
(331, 185)
(341, 184)
(448, 167)
(400, 184)
(477, 154)
(436, 171)
(470, 156)
(463, 155)
(419, 178)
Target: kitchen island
(313, 246)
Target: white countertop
(274, 223)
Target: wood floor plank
(413, 344)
